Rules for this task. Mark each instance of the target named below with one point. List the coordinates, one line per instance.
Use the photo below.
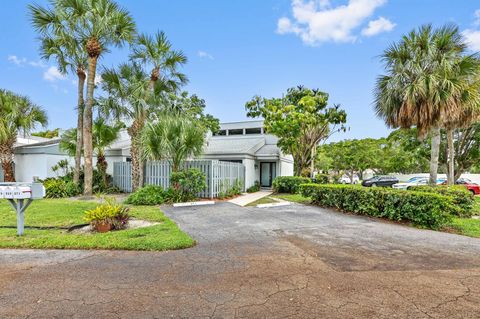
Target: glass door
(268, 173)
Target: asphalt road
(285, 262)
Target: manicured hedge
(148, 195)
(289, 184)
(461, 197)
(424, 209)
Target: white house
(241, 142)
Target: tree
(96, 25)
(427, 82)
(103, 136)
(17, 115)
(301, 120)
(58, 41)
(174, 138)
(47, 133)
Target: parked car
(347, 180)
(385, 181)
(416, 181)
(474, 188)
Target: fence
(219, 175)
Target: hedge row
(421, 208)
(460, 196)
(289, 184)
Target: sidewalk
(246, 199)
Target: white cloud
(476, 14)
(37, 64)
(52, 74)
(317, 21)
(98, 79)
(16, 60)
(204, 54)
(473, 39)
(378, 26)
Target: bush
(460, 196)
(254, 188)
(229, 191)
(322, 179)
(187, 184)
(148, 195)
(421, 208)
(289, 184)
(59, 188)
(110, 213)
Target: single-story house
(241, 142)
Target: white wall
(250, 173)
(286, 168)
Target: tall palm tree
(96, 25)
(427, 78)
(58, 42)
(17, 115)
(156, 52)
(175, 138)
(130, 99)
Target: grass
(64, 213)
(296, 198)
(263, 200)
(476, 206)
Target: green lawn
(263, 200)
(64, 213)
(296, 198)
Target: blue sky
(240, 48)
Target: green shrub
(108, 213)
(459, 194)
(289, 184)
(254, 188)
(148, 195)
(322, 178)
(227, 190)
(421, 208)
(187, 184)
(59, 188)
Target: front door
(268, 172)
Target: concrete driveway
(284, 262)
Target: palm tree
(103, 136)
(426, 84)
(58, 42)
(175, 138)
(156, 52)
(17, 115)
(96, 25)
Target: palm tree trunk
(137, 164)
(102, 167)
(6, 153)
(451, 158)
(80, 110)
(87, 127)
(435, 150)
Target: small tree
(17, 115)
(175, 139)
(301, 120)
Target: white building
(242, 142)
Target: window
(221, 132)
(255, 130)
(237, 131)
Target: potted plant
(108, 216)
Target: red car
(471, 186)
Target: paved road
(285, 262)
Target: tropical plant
(17, 115)
(173, 138)
(47, 133)
(96, 25)
(110, 213)
(58, 41)
(301, 120)
(428, 81)
(103, 136)
(186, 184)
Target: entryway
(268, 172)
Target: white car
(416, 181)
(346, 180)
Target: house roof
(233, 146)
(268, 149)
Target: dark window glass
(238, 131)
(255, 130)
(221, 132)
